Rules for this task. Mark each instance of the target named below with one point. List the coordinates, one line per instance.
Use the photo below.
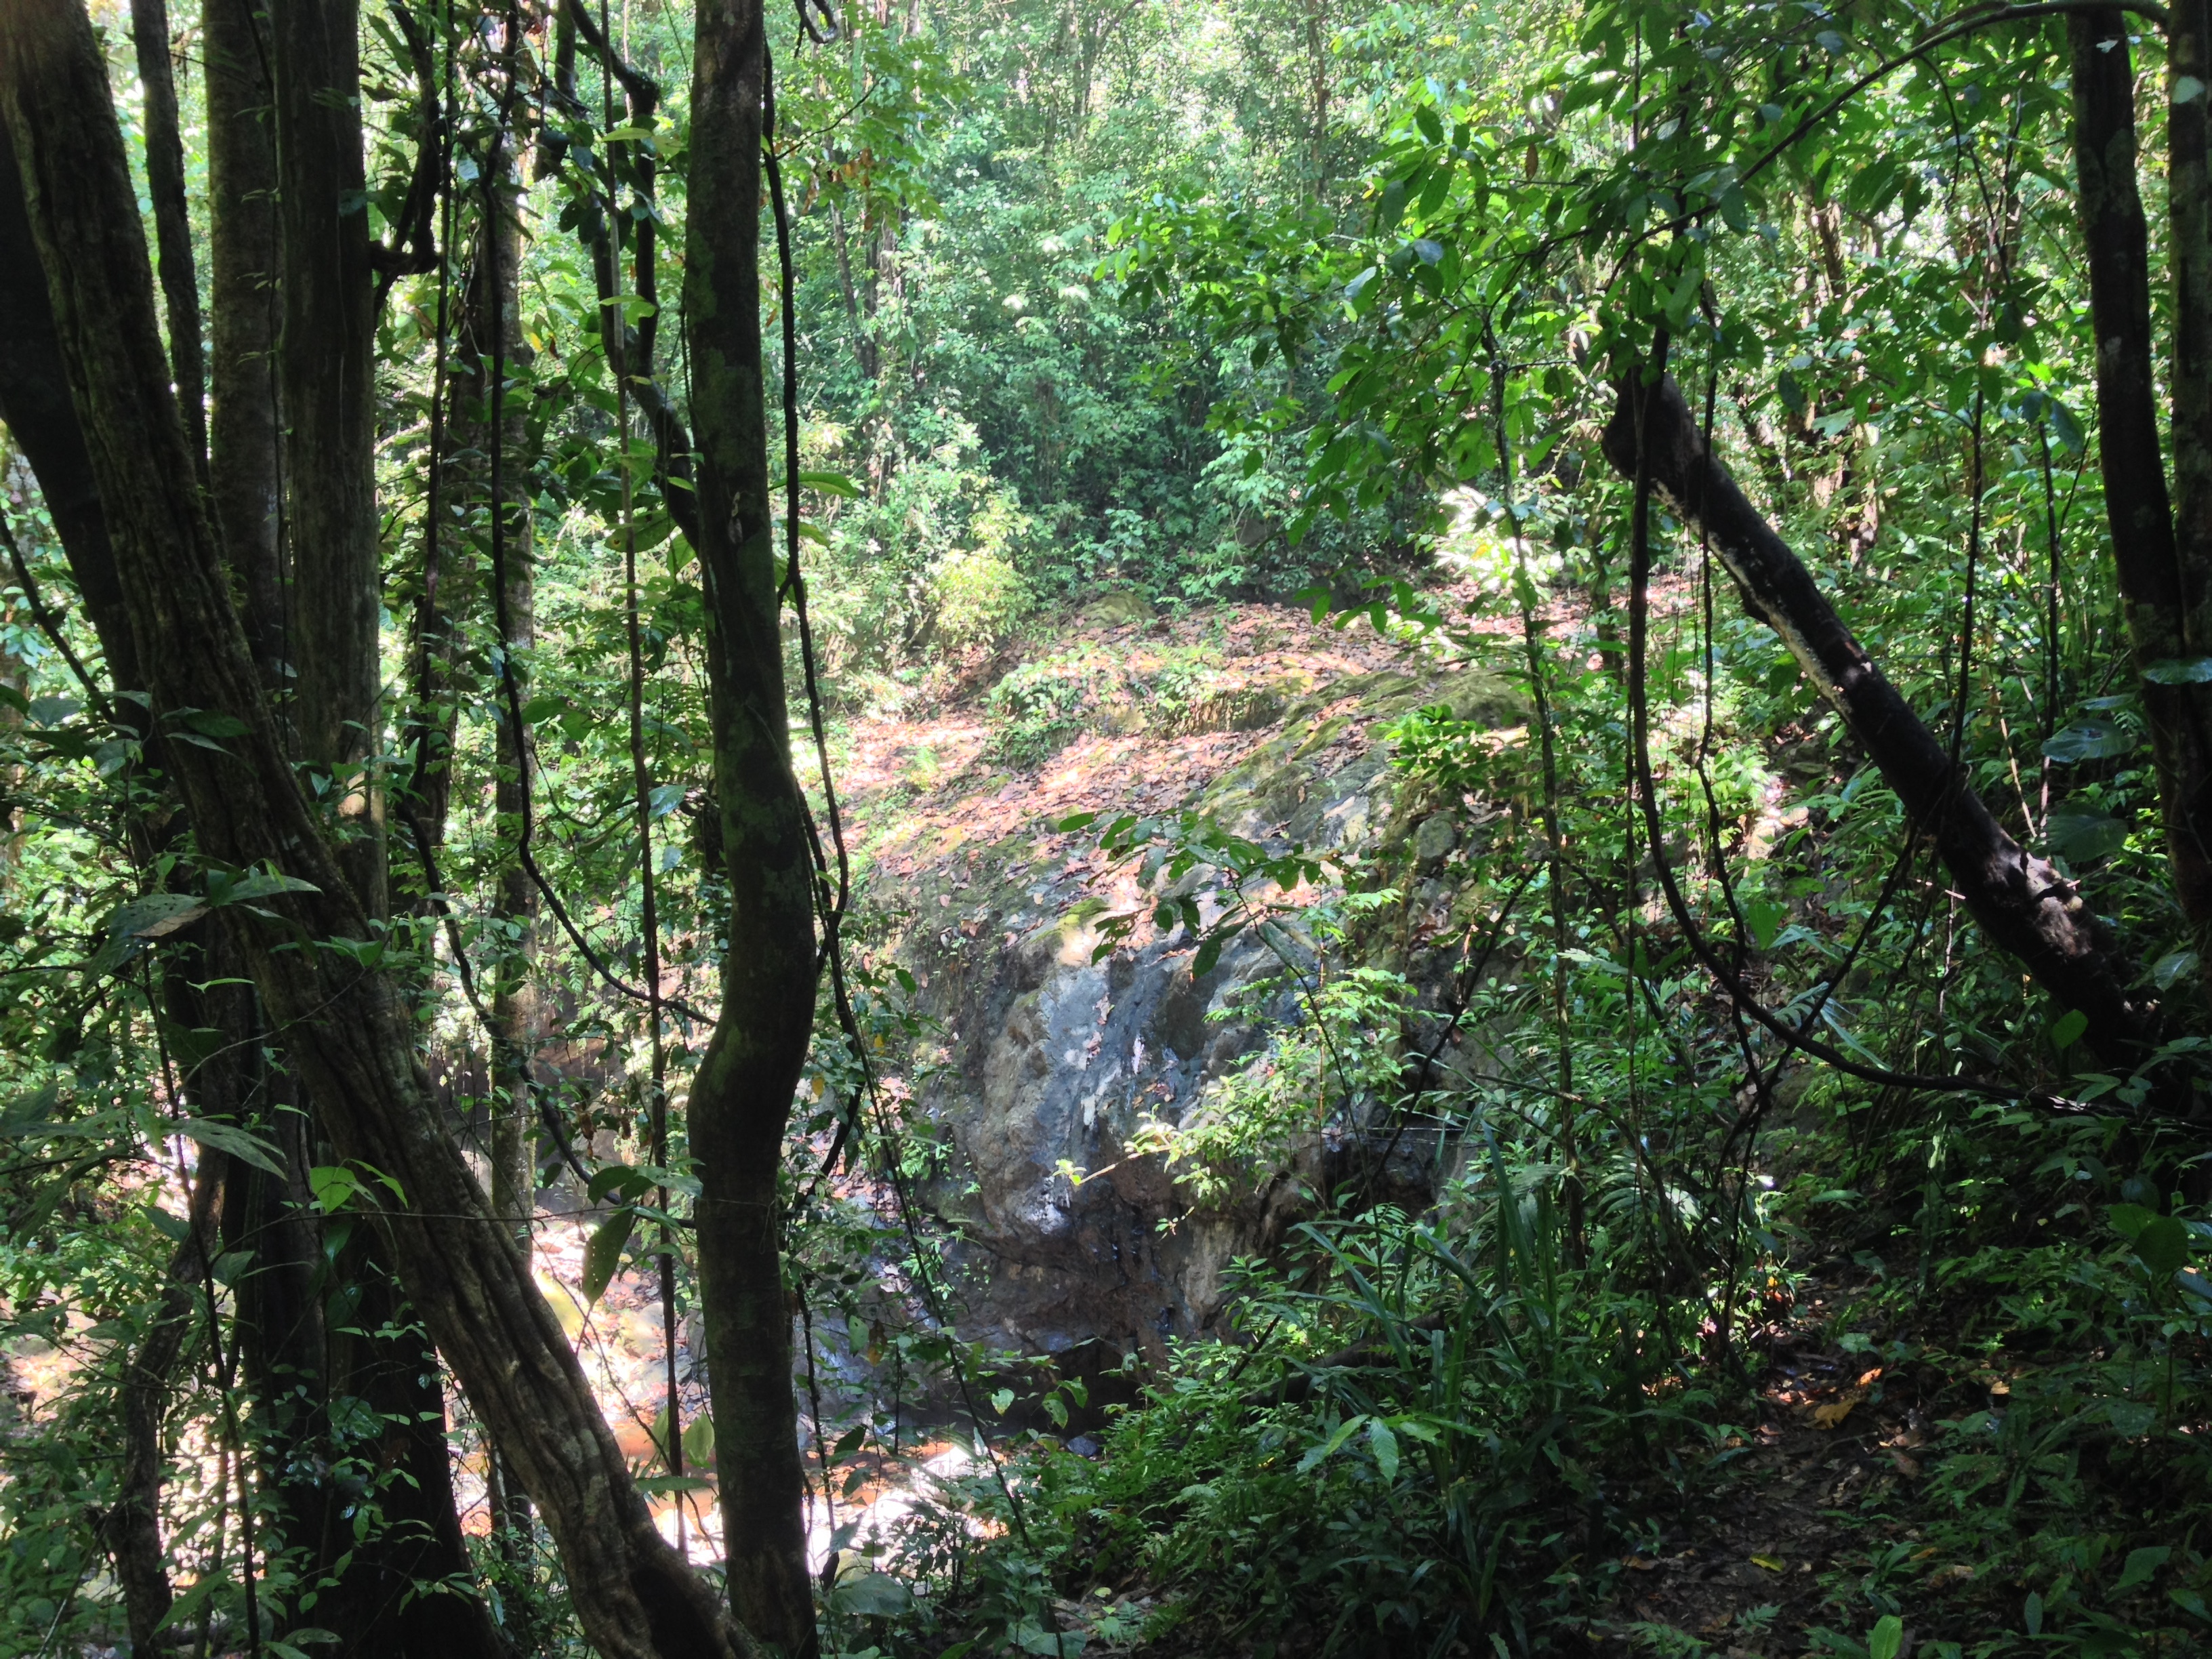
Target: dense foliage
(1257, 302)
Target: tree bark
(131, 1527)
(243, 423)
(2155, 593)
(741, 1096)
(34, 401)
(2189, 199)
(494, 309)
(2021, 903)
(347, 1026)
(327, 370)
(173, 223)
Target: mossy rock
(1123, 606)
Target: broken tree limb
(2021, 901)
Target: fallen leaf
(1771, 1563)
(1828, 1417)
(1909, 1467)
(1957, 1573)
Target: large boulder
(1065, 1240)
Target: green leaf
(699, 1442)
(229, 1137)
(660, 1486)
(224, 888)
(214, 723)
(1765, 918)
(2083, 835)
(617, 1180)
(1384, 1444)
(2163, 1246)
(2179, 671)
(1031, 1638)
(185, 1608)
(2089, 740)
(2171, 967)
(2140, 1565)
(156, 915)
(174, 1228)
(1328, 1448)
(2130, 1220)
(2068, 1028)
(1002, 1402)
(1210, 949)
(870, 1595)
(829, 483)
(603, 1253)
(1886, 1637)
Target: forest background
(1809, 1263)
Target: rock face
(1054, 1060)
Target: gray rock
(1063, 1238)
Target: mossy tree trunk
(741, 1097)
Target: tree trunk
(172, 224)
(494, 309)
(326, 366)
(35, 401)
(2189, 199)
(243, 301)
(131, 1528)
(2021, 903)
(2155, 594)
(347, 1025)
(741, 1096)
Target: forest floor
(1808, 1489)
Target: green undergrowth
(1042, 706)
(1473, 1431)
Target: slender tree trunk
(741, 1096)
(864, 348)
(494, 298)
(2021, 903)
(632, 347)
(327, 370)
(2154, 592)
(2189, 199)
(243, 420)
(1316, 27)
(172, 224)
(348, 1028)
(131, 1527)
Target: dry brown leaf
(1829, 1416)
